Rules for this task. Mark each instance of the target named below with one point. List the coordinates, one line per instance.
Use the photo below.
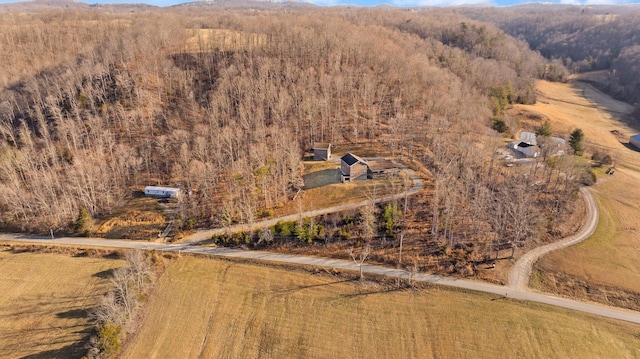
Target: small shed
(162, 192)
(321, 151)
(635, 140)
(352, 168)
(380, 168)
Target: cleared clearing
(45, 302)
(611, 256)
(216, 309)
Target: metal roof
(529, 138)
(350, 159)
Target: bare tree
(360, 257)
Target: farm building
(525, 148)
(321, 151)
(352, 168)
(635, 140)
(529, 138)
(380, 168)
(163, 192)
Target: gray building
(321, 151)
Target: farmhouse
(529, 145)
(162, 192)
(352, 168)
(635, 140)
(321, 151)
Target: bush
(601, 159)
(499, 125)
(109, 339)
(286, 229)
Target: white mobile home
(164, 192)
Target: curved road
(610, 312)
(521, 271)
(206, 234)
(518, 278)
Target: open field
(210, 308)
(610, 257)
(45, 302)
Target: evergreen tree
(84, 222)
(544, 129)
(575, 140)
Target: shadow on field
(301, 287)
(366, 293)
(74, 313)
(107, 273)
(74, 350)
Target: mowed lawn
(44, 303)
(208, 308)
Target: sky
(396, 3)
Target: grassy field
(611, 256)
(216, 309)
(45, 301)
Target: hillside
(581, 38)
(97, 104)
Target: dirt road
(521, 271)
(506, 292)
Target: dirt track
(521, 271)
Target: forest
(582, 38)
(223, 102)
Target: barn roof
(529, 138)
(350, 159)
(321, 145)
(381, 165)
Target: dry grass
(216, 309)
(44, 303)
(140, 218)
(610, 256)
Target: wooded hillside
(582, 38)
(94, 104)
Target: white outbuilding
(635, 140)
(163, 192)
